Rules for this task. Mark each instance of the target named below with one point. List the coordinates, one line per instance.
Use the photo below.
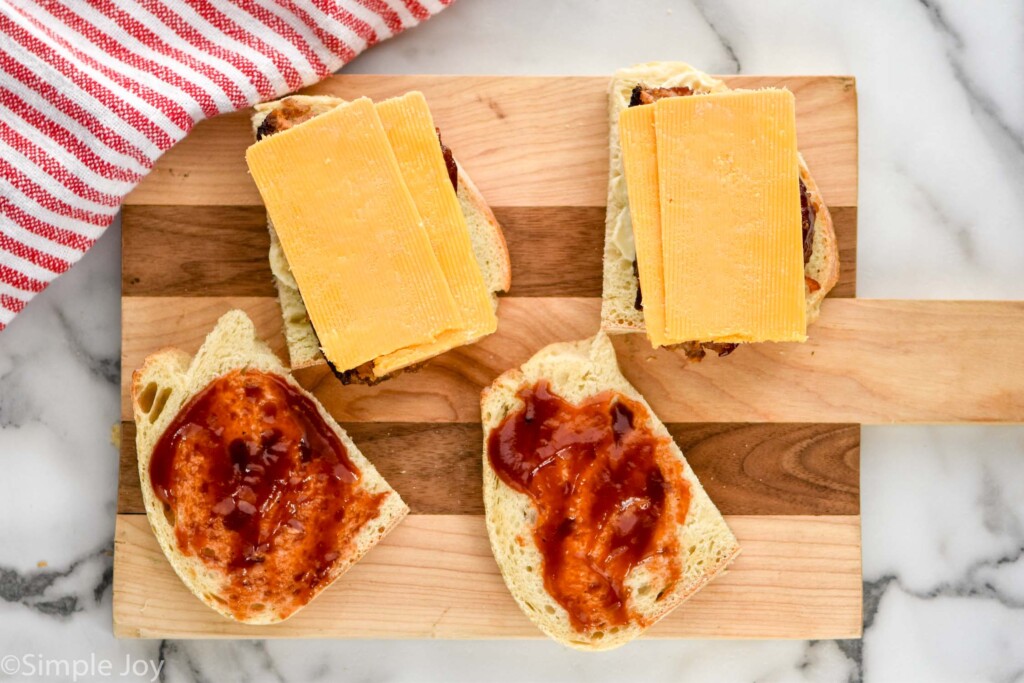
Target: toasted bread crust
(489, 244)
(473, 202)
(823, 267)
(618, 316)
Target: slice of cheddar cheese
(410, 129)
(353, 236)
(640, 163)
(730, 213)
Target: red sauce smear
(609, 495)
(260, 488)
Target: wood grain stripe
(867, 361)
(525, 141)
(434, 577)
(747, 469)
(555, 251)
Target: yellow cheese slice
(352, 236)
(640, 163)
(410, 129)
(730, 212)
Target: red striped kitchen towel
(93, 91)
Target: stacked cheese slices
(367, 216)
(715, 206)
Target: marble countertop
(941, 216)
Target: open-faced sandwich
(716, 233)
(258, 498)
(384, 252)
(598, 525)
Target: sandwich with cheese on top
(383, 251)
(716, 234)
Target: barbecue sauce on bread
(608, 493)
(258, 485)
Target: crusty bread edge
(473, 203)
(300, 336)
(233, 344)
(617, 315)
(824, 262)
(589, 366)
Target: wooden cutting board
(772, 431)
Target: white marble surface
(941, 216)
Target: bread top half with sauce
(598, 524)
(258, 498)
